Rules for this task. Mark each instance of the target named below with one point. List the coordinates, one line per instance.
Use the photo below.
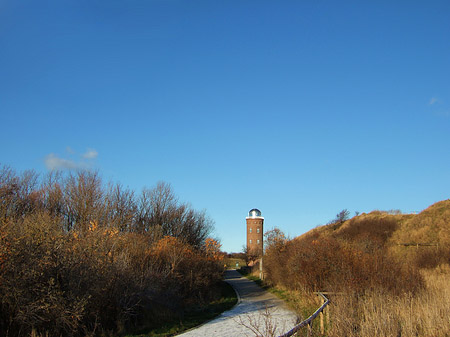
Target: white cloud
(90, 154)
(433, 100)
(55, 163)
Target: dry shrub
(31, 289)
(77, 259)
(328, 264)
(369, 233)
(431, 257)
(275, 253)
(101, 280)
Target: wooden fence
(417, 245)
(308, 322)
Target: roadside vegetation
(82, 258)
(234, 260)
(386, 273)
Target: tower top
(254, 213)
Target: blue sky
(298, 108)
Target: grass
(193, 318)
(425, 313)
(258, 281)
(379, 314)
(376, 314)
(234, 262)
(246, 272)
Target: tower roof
(254, 213)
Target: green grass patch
(280, 293)
(231, 263)
(256, 279)
(193, 318)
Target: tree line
(80, 257)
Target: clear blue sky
(298, 108)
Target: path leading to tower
(256, 309)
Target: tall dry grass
(426, 313)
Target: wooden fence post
(321, 317)
(309, 321)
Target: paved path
(257, 310)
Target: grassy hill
(394, 232)
(429, 226)
(385, 284)
(377, 249)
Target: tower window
(250, 229)
(257, 230)
(257, 241)
(250, 240)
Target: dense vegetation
(79, 258)
(390, 270)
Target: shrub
(328, 264)
(76, 260)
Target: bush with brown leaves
(77, 259)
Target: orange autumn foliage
(212, 248)
(170, 250)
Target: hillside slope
(394, 234)
(432, 225)
(429, 226)
(391, 287)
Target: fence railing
(308, 322)
(417, 245)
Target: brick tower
(255, 232)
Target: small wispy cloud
(55, 162)
(90, 154)
(433, 100)
(438, 107)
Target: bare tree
(250, 255)
(83, 199)
(158, 211)
(163, 204)
(8, 192)
(52, 193)
(29, 198)
(343, 215)
(274, 239)
(18, 194)
(340, 217)
(120, 207)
